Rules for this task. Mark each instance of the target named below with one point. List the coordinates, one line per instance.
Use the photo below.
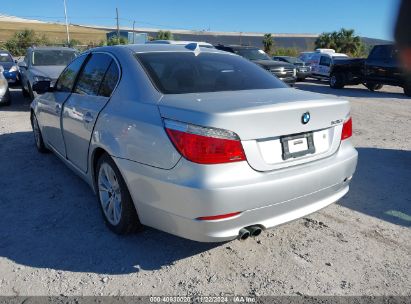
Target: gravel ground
(53, 240)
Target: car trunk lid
(263, 119)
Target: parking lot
(53, 240)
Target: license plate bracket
(299, 139)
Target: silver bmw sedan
(194, 141)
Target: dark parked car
(284, 71)
(381, 67)
(43, 65)
(303, 70)
(11, 70)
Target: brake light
(347, 129)
(205, 145)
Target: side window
(92, 74)
(325, 61)
(67, 78)
(381, 52)
(27, 58)
(110, 80)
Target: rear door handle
(88, 117)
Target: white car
(321, 61)
(4, 89)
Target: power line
(111, 19)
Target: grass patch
(56, 33)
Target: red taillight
(347, 129)
(217, 217)
(213, 146)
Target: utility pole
(134, 34)
(67, 28)
(118, 27)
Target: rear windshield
(52, 57)
(293, 60)
(252, 54)
(178, 73)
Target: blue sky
(370, 18)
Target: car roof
(178, 42)
(154, 47)
(233, 46)
(331, 54)
(53, 48)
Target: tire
(38, 138)
(114, 198)
(8, 95)
(336, 81)
(373, 86)
(31, 93)
(407, 90)
(23, 90)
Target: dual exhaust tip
(246, 232)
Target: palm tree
(343, 41)
(349, 43)
(268, 43)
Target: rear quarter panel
(130, 126)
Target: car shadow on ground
(381, 186)
(51, 219)
(349, 91)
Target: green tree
(73, 43)
(268, 43)
(164, 35)
(116, 41)
(21, 40)
(343, 41)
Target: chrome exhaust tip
(255, 230)
(243, 234)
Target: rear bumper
(302, 75)
(11, 76)
(171, 200)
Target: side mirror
(42, 87)
(22, 64)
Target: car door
(92, 91)
(394, 68)
(50, 105)
(324, 65)
(23, 66)
(378, 62)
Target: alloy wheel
(109, 193)
(36, 132)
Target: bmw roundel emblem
(305, 118)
